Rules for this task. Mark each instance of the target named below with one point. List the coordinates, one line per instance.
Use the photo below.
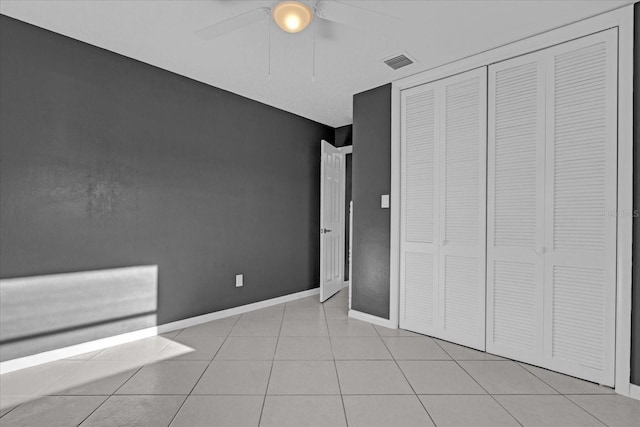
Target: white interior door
(443, 208)
(515, 208)
(580, 260)
(462, 219)
(332, 176)
(418, 272)
(552, 208)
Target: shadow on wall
(43, 313)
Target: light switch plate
(239, 280)
(384, 201)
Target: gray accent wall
(344, 136)
(110, 162)
(635, 311)
(371, 178)
(348, 197)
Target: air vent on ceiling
(399, 61)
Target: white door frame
(621, 18)
(350, 251)
(348, 149)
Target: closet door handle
(443, 242)
(541, 250)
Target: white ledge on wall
(75, 350)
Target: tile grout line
(476, 381)
(98, 407)
(109, 396)
(329, 394)
(405, 377)
(125, 382)
(203, 372)
(145, 363)
(273, 359)
(39, 393)
(584, 409)
(335, 365)
(559, 392)
(114, 392)
(11, 410)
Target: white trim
(394, 263)
(347, 149)
(350, 252)
(75, 350)
(634, 391)
(193, 321)
(358, 315)
(621, 18)
(625, 200)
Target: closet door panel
(418, 275)
(515, 208)
(462, 207)
(581, 191)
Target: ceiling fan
(295, 16)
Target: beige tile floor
(302, 364)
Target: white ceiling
(348, 60)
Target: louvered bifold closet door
(418, 276)
(580, 207)
(515, 208)
(462, 208)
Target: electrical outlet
(384, 201)
(239, 280)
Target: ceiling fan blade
(354, 16)
(232, 24)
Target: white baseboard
(634, 391)
(192, 321)
(346, 284)
(358, 315)
(75, 350)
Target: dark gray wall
(635, 311)
(108, 162)
(347, 223)
(371, 179)
(343, 136)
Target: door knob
(443, 242)
(540, 250)
(324, 230)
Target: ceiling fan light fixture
(292, 16)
